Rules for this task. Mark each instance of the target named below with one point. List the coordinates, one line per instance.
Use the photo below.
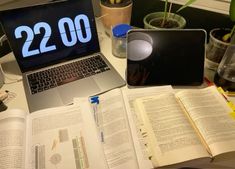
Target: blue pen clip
(95, 99)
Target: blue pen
(94, 100)
(97, 115)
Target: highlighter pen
(230, 94)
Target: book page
(210, 113)
(130, 95)
(114, 127)
(12, 139)
(64, 137)
(171, 137)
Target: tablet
(165, 57)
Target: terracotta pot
(112, 16)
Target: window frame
(219, 6)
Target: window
(8, 4)
(220, 6)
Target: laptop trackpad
(80, 88)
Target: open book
(189, 128)
(150, 127)
(56, 138)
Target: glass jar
(119, 42)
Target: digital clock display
(51, 33)
(72, 37)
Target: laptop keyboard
(56, 76)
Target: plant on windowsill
(228, 36)
(166, 19)
(220, 39)
(115, 12)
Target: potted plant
(166, 19)
(114, 12)
(220, 39)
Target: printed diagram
(80, 153)
(55, 159)
(74, 147)
(39, 156)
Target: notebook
(57, 49)
(165, 57)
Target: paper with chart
(62, 138)
(12, 139)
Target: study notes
(62, 137)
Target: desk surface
(12, 71)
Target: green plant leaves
(232, 10)
(115, 1)
(189, 2)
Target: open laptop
(51, 39)
(165, 57)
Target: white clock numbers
(75, 30)
(43, 45)
(77, 22)
(76, 34)
(30, 36)
(63, 34)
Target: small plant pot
(154, 20)
(216, 48)
(114, 15)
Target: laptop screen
(50, 33)
(165, 57)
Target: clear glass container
(225, 75)
(119, 41)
